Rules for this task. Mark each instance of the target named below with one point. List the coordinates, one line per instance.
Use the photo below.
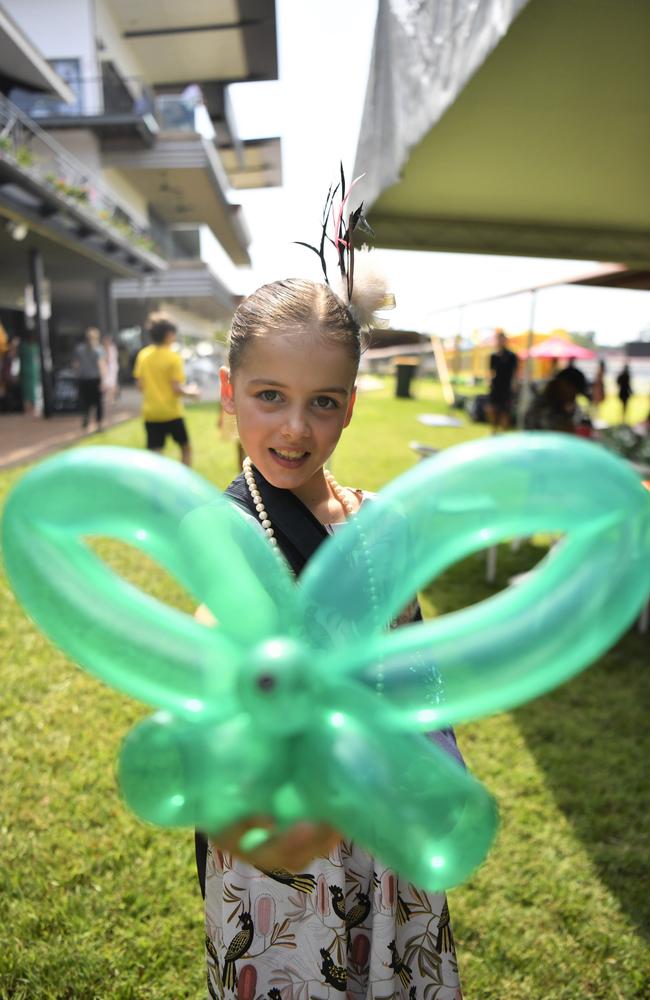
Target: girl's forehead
(297, 353)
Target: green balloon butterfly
(302, 702)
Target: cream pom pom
(369, 290)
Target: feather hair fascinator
(369, 294)
(358, 282)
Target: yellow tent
(474, 361)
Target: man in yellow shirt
(160, 375)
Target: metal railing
(108, 95)
(48, 164)
(94, 96)
(176, 113)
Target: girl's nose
(296, 425)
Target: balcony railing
(176, 113)
(95, 96)
(113, 97)
(47, 165)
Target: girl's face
(292, 395)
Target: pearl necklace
(337, 492)
(348, 509)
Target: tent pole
(443, 371)
(524, 391)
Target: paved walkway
(24, 438)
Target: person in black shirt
(624, 388)
(503, 367)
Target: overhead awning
(22, 63)
(615, 276)
(510, 127)
(231, 41)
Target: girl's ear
(348, 415)
(227, 391)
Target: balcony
(190, 282)
(254, 163)
(117, 109)
(45, 188)
(174, 164)
(182, 176)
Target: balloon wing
(401, 796)
(245, 583)
(519, 643)
(174, 772)
(126, 637)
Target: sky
(324, 49)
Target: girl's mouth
(288, 458)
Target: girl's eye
(325, 403)
(269, 395)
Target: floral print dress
(347, 925)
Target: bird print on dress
(399, 966)
(301, 883)
(274, 994)
(354, 916)
(445, 940)
(333, 974)
(237, 949)
(214, 964)
(402, 910)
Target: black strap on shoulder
(298, 532)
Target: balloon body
(303, 702)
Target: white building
(150, 149)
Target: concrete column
(106, 309)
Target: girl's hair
(288, 305)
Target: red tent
(555, 347)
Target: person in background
(624, 383)
(29, 371)
(160, 376)
(555, 408)
(111, 369)
(503, 368)
(4, 351)
(10, 400)
(598, 388)
(88, 362)
(576, 377)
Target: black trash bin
(405, 369)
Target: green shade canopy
(544, 152)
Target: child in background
(160, 375)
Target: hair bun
(370, 293)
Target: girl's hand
(293, 848)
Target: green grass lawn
(94, 904)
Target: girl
(307, 914)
